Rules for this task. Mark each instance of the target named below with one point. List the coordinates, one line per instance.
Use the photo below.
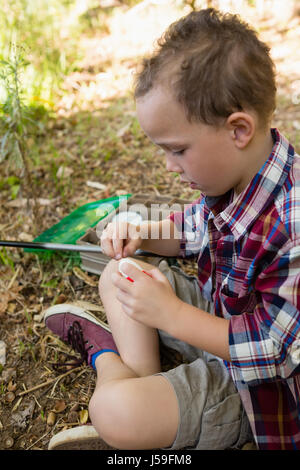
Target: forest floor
(92, 137)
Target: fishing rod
(64, 247)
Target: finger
(118, 239)
(124, 298)
(132, 273)
(106, 244)
(130, 247)
(121, 283)
(156, 274)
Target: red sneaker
(84, 332)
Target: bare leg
(137, 343)
(130, 407)
(131, 412)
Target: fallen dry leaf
(9, 397)
(61, 299)
(11, 387)
(84, 277)
(25, 237)
(2, 353)
(95, 185)
(59, 406)
(64, 172)
(83, 416)
(22, 202)
(21, 418)
(5, 297)
(88, 306)
(73, 417)
(51, 418)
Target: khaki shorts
(211, 412)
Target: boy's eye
(178, 152)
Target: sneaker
(83, 331)
(78, 438)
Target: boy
(206, 96)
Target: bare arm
(201, 329)
(160, 237)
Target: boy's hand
(120, 240)
(149, 300)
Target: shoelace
(77, 342)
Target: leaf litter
(102, 144)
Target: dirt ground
(36, 401)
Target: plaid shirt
(248, 253)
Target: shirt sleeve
(188, 226)
(265, 344)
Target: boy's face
(205, 157)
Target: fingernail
(118, 256)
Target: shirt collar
(237, 215)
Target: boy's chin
(195, 186)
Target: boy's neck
(257, 153)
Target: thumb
(157, 274)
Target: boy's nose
(171, 165)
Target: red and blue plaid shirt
(248, 252)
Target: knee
(105, 278)
(111, 415)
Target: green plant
(48, 29)
(22, 348)
(16, 122)
(6, 259)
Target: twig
(13, 278)
(44, 435)
(61, 425)
(44, 384)
(78, 375)
(17, 404)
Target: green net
(75, 225)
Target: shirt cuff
(251, 351)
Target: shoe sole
(69, 308)
(79, 438)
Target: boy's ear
(241, 126)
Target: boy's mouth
(192, 184)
